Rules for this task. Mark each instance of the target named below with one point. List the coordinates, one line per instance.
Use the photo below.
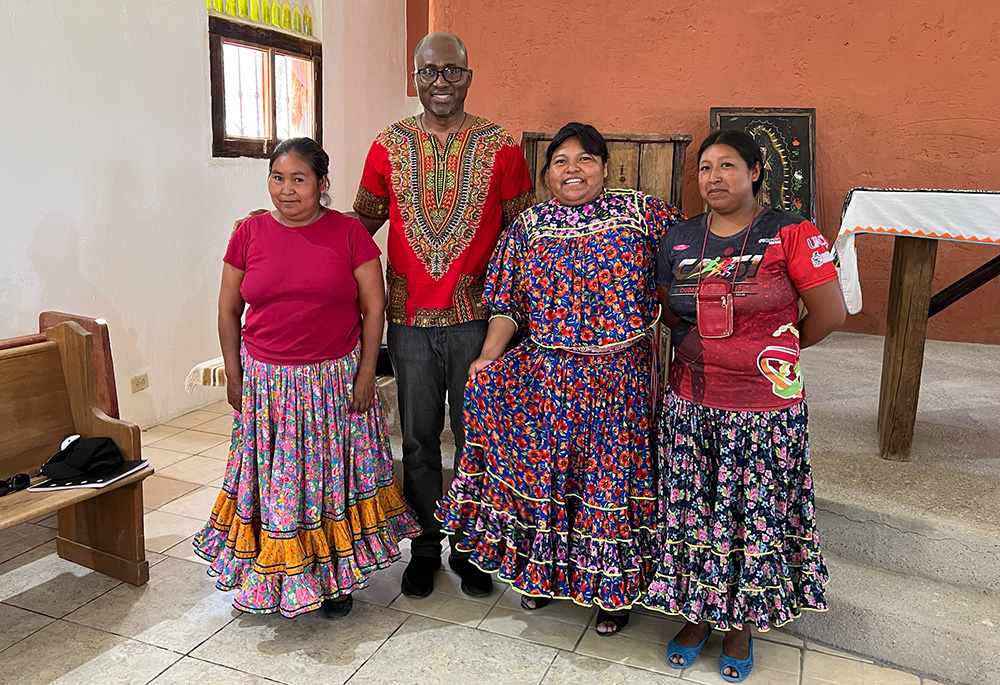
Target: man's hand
(252, 214)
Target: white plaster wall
(111, 204)
(364, 85)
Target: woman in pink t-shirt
(309, 506)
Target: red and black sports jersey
(757, 367)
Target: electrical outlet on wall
(140, 382)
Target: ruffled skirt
(309, 506)
(554, 492)
(737, 527)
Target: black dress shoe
(418, 578)
(338, 608)
(475, 583)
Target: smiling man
(448, 182)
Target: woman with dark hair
(736, 518)
(309, 505)
(554, 492)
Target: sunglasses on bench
(14, 483)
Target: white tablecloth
(963, 215)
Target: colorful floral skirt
(737, 525)
(554, 492)
(309, 506)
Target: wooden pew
(47, 393)
(104, 370)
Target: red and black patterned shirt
(757, 367)
(447, 204)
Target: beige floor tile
(779, 636)
(164, 530)
(191, 419)
(306, 650)
(219, 425)
(189, 671)
(177, 609)
(429, 651)
(561, 610)
(706, 672)
(220, 407)
(444, 607)
(154, 558)
(533, 627)
(43, 582)
(200, 470)
(157, 490)
(184, 550)
(151, 435)
(51, 521)
(190, 442)
(449, 583)
(217, 452)
(836, 652)
(22, 538)
(196, 504)
(383, 586)
(824, 669)
(17, 624)
(774, 664)
(657, 627)
(161, 459)
(625, 648)
(575, 669)
(68, 653)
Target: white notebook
(99, 481)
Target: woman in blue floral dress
(555, 491)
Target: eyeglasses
(14, 483)
(451, 74)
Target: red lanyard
(708, 229)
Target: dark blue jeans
(430, 364)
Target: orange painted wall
(907, 94)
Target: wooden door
(652, 163)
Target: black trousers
(430, 364)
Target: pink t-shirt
(300, 288)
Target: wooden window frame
(274, 42)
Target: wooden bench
(46, 394)
(104, 370)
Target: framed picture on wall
(787, 138)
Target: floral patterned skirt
(554, 492)
(309, 506)
(737, 525)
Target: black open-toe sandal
(619, 621)
(539, 602)
(338, 608)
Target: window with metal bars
(266, 86)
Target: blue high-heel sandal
(742, 666)
(687, 654)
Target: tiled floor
(64, 623)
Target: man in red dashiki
(449, 183)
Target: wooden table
(917, 219)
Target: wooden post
(905, 334)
